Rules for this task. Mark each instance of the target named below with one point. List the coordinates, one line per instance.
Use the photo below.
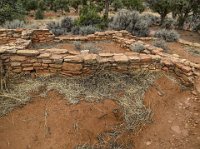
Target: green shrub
(130, 21)
(117, 4)
(86, 30)
(39, 15)
(124, 20)
(137, 47)
(14, 24)
(75, 30)
(152, 19)
(168, 35)
(10, 10)
(141, 28)
(160, 43)
(77, 45)
(91, 47)
(89, 16)
(61, 27)
(134, 5)
(169, 23)
(67, 24)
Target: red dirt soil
(175, 121)
(66, 125)
(178, 48)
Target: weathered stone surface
(27, 65)
(55, 65)
(28, 52)
(47, 61)
(71, 67)
(134, 58)
(105, 60)
(37, 64)
(120, 58)
(2, 50)
(106, 54)
(57, 51)
(18, 70)
(18, 58)
(183, 67)
(76, 59)
(56, 57)
(145, 58)
(167, 62)
(15, 64)
(90, 58)
(28, 68)
(44, 55)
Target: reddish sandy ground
(51, 123)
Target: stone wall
(9, 35)
(20, 59)
(37, 36)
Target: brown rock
(72, 59)
(58, 51)
(134, 58)
(55, 65)
(186, 68)
(47, 61)
(28, 68)
(18, 58)
(71, 67)
(27, 65)
(145, 58)
(2, 51)
(37, 64)
(167, 62)
(90, 58)
(18, 70)
(105, 54)
(56, 57)
(15, 64)
(44, 55)
(183, 67)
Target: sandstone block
(90, 58)
(76, 59)
(28, 52)
(71, 67)
(28, 68)
(120, 58)
(145, 58)
(44, 55)
(15, 64)
(18, 58)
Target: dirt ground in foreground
(50, 123)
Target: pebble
(176, 129)
(148, 143)
(185, 133)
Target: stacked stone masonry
(17, 58)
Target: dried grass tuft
(126, 89)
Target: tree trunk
(181, 21)
(106, 9)
(162, 18)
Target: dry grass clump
(17, 94)
(127, 90)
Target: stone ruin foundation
(16, 56)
